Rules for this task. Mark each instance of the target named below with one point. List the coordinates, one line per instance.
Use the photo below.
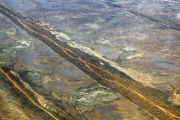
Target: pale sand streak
(26, 94)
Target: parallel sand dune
(148, 98)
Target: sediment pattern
(148, 98)
(30, 95)
(171, 25)
(157, 20)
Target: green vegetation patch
(87, 100)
